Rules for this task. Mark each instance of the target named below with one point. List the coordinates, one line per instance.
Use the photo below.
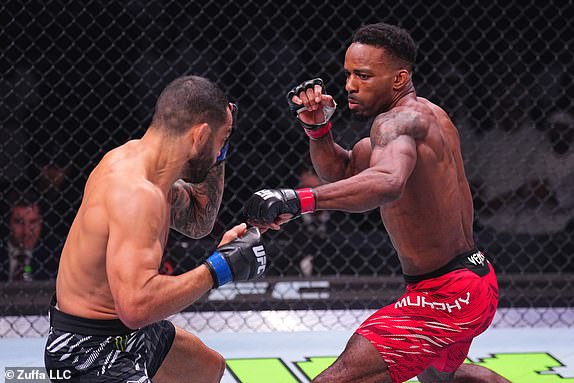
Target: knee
(324, 378)
(468, 373)
(432, 375)
(212, 368)
(218, 366)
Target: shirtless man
(411, 169)
(107, 321)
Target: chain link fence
(79, 78)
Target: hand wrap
(315, 130)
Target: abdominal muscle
(428, 226)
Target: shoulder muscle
(399, 122)
(135, 211)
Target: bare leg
(360, 362)
(432, 375)
(471, 373)
(466, 373)
(189, 360)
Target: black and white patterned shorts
(106, 350)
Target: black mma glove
(239, 260)
(314, 131)
(264, 206)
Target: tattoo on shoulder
(194, 207)
(388, 126)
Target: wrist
(315, 134)
(307, 200)
(219, 269)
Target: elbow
(392, 189)
(196, 230)
(133, 323)
(133, 315)
(392, 195)
(200, 231)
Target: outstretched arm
(194, 207)
(381, 183)
(392, 160)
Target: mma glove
(225, 149)
(265, 206)
(316, 130)
(223, 153)
(239, 260)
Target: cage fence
(80, 78)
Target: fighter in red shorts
(410, 168)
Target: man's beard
(359, 116)
(197, 169)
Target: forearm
(367, 190)
(331, 161)
(196, 216)
(161, 296)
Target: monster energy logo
(122, 342)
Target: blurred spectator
(19, 100)
(508, 181)
(508, 188)
(560, 133)
(59, 199)
(547, 89)
(521, 172)
(24, 255)
(558, 212)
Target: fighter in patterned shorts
(107, 318)
(411, 169)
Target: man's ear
(198, 133)
(401, 79)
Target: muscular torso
(432, 220)
(82, 284)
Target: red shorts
(433, 323)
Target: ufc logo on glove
(265, 194)
(259, 252)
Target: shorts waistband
(473, 260)
(85, 326)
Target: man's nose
(350, 86)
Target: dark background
(79, 78)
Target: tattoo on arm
(194, 207)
